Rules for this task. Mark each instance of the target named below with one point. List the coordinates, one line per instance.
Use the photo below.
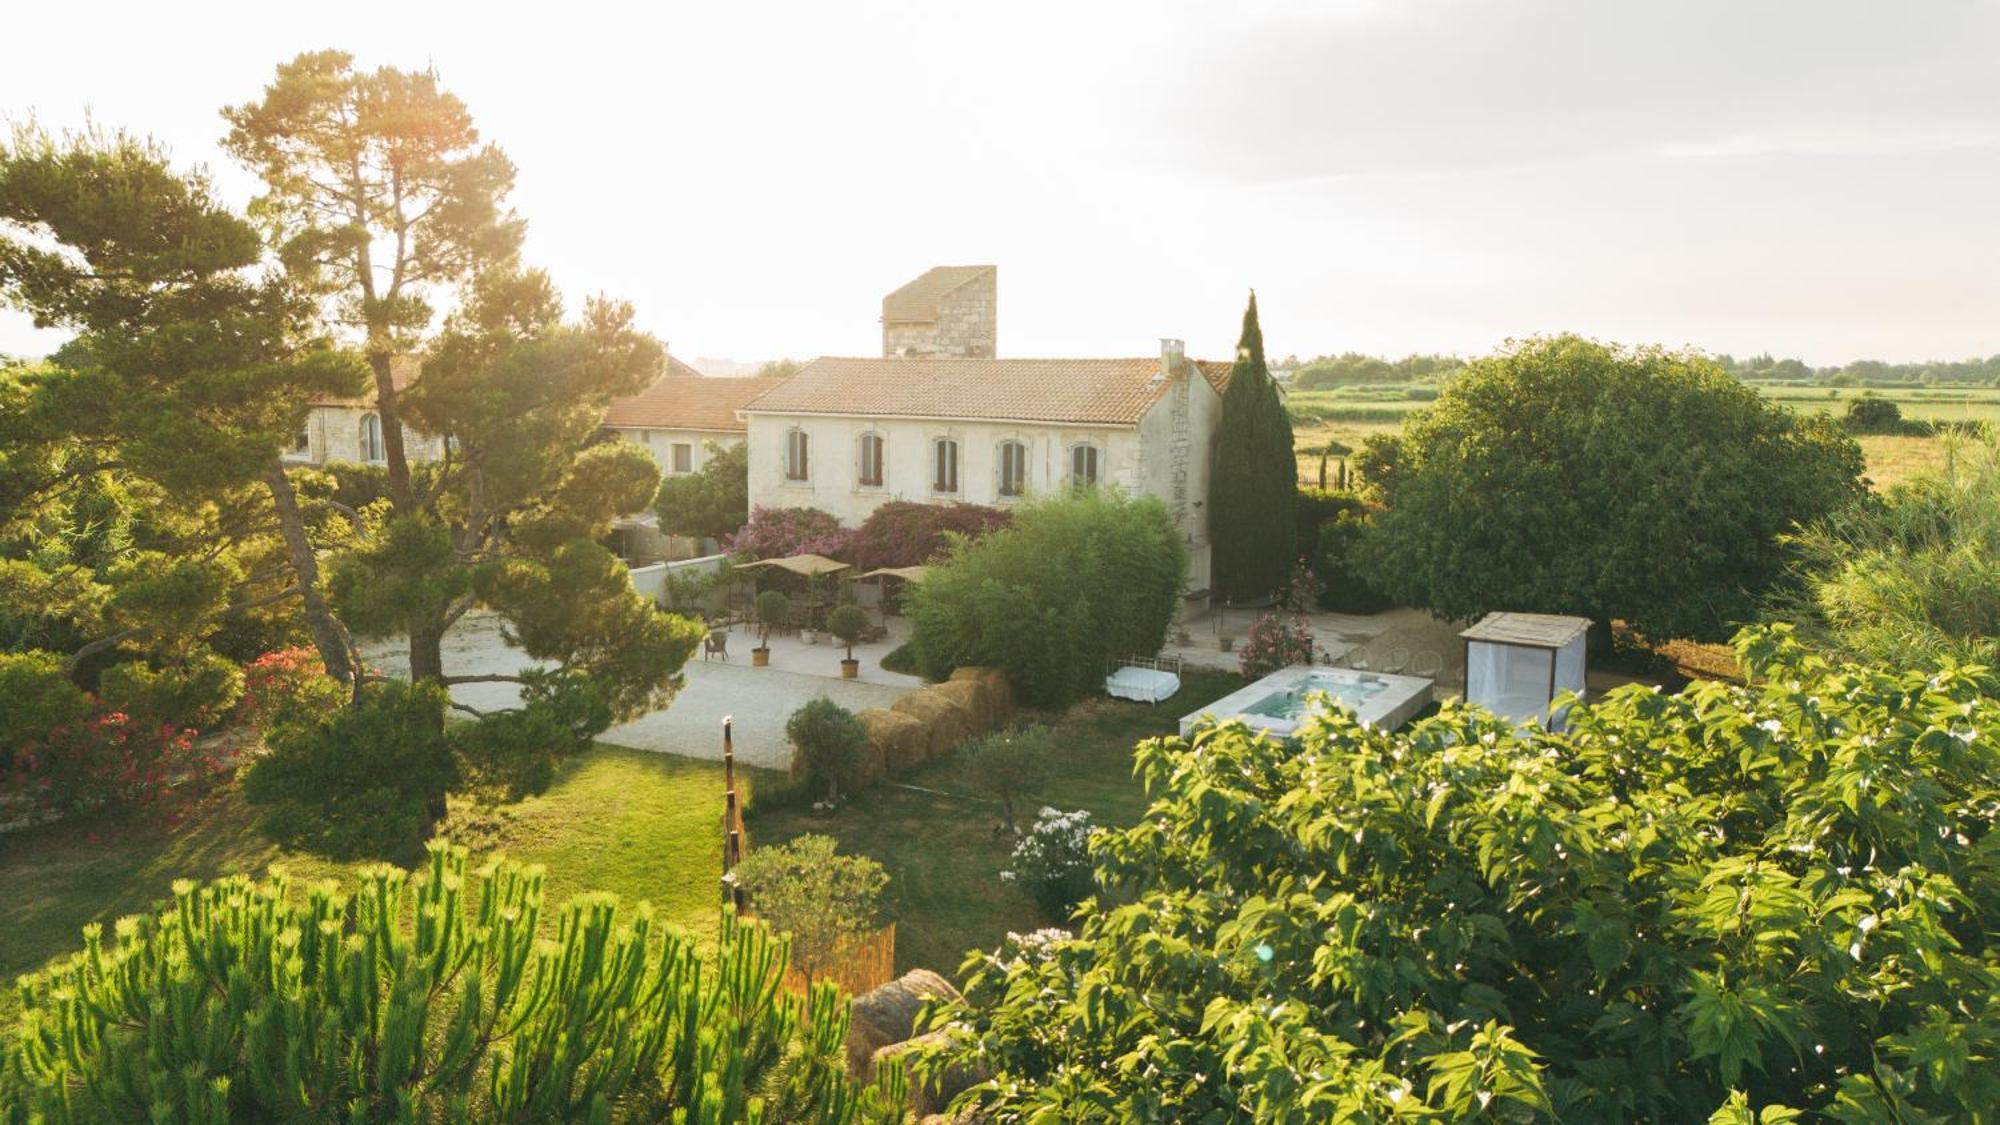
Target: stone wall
(967, 324)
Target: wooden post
(729, 841)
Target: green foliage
(508, 755)
(1565, 476)
(772, 606)
(1344, 588)
(39, 697)
(848, 622)
(368, 781)
(1254, 479)
(1352, 369)
(1912, 576)
(822, 900)
(197, 692)
(713, 502)
(1871, 414)
(396, 576)
(1077, 580)
(1010, 766)
(830, 742)
(421, 1000)
(1784, 894)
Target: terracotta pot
(1228, 643)
(760, 658)
(849, 668)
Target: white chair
(1427, 665)
(1399, 659)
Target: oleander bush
(774, 533)
(1746, 901)
(911, 533)
(434, 998)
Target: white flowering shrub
(1052, 862)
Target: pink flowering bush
(286, 683)
(909, 533)
(775, 533)
(111, 763)
(1275, 641)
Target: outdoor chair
(1427, 665)
(1399, 659)
(716, 644)
(1358, 659)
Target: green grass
(939, 847)
(641, 825)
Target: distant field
(1350, 415)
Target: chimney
(1172, 353)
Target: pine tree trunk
(329, 635)
(427, 650)
(386, 410)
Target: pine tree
(1254, 485)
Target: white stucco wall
(334, 434)
(908, 461)
(661, 442)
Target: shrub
(419, 999)
(1565, 476)
(1009, 766)
(39, 697)
(772, 606)
(1872, 414)
(1774, 895)
(367, 781)
(910, 533)
(774, 533)
(1077, 579)
(1344, 588)
(831, 743)
(191, 694)
(109, 763)
(847, 622)
(1052, 862)
(1276, 640)
(824, 901)
(289, 684)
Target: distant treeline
(1352, 369)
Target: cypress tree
(1254, 483)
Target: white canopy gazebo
(1517, 663)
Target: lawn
(641, 825)
(936, 838)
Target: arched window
(371, 438)
(1083, 463)
(870, 473)
(945, 478)
(1013, 468)
(798, 449)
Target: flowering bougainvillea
(909, 533)
(1275, 641)
(278, 682)
(777, 532)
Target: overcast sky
(1819, 178)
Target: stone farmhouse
(349, 429)
(937, 421)
(682, 413)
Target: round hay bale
(888, 1015)
(933, 1096)
(999, 693)
(944, 720)
(896, 741)
(976, 700)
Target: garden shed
(1517, 663)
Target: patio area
(1394, 641)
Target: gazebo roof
(1535, 630)
(907, 573)
(812, 566)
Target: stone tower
(950, 310)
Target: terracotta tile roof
(676, 402)
(1109, 392)
(917, 302)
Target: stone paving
(759, 699)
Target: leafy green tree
(1076, 580)
(847, 622)
(1010, 766)
(822, 900)
(1728, 900)
(1253, 482)
(191, 369)
(1567, 476)
(423, 1000)
(830, 742)
(712, 503)
(1912, 576)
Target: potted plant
(772, 605)
(848, 622)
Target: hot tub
(1279, 702)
